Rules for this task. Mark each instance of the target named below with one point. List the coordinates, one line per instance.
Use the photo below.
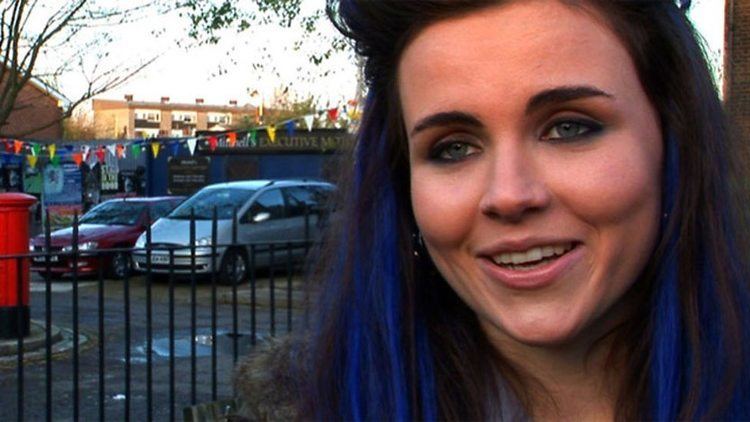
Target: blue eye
(571, 129)
(451, 151)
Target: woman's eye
(571, 129)
(453, 151)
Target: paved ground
(115, 348)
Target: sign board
(301, 141)
(62, 193)
(109, 177)
(187, 174)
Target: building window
(185, 117)
(220, 118)
(148, 115)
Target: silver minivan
(285, 213)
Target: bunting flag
(35, 148)
(212, 142)
(253, 136)
(32, 160)
(92, 160)
(333, 114)
(51, 148)
(86, 150)
(155, 148)
(191, 145)
(271, 129)
(290, 128)
(232, 139)
(135, 149)
(112, 148)
(55, 161)
(8, 146)
(175, 148)
(101, 154)
(17, 146)
(78, 158)
(309, 122)
(120, 151)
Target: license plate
(160, 259)
(52, 258)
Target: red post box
(14, 240)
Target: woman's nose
(515, 187)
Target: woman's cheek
(444, 206)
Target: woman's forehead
(517, 49)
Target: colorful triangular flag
(155, 148)
(191, 145)
(212, 142)
(333, 114)
(77, 158)
(17, 146)
(32, 160)
(290, 128)
(271, 129)
(35, 148)
(135, 149)
(174, 148)
(51, 149)
(101, 154)
(120, 151)
(112, 148)
(309, 122)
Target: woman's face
(535, 166)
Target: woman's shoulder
(267, 381)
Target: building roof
(172, 106)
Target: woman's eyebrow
(563, 94)
(446, 118)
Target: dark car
(116, 223)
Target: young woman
(540, 224)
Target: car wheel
(233, 267)
(121, 265)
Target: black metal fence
(147, 346)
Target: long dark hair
(393, 341)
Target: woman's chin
(547, 332)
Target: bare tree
(31, 29)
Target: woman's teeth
(535, 255)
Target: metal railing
(103, 350)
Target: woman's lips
(529, 277)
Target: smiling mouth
(532, 258)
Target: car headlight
(203, 241)
(85, 246)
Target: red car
(116, 223)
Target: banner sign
(62, 193)
(316, 141)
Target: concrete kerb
(34, 344)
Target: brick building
(141, 119)
(36, 114)
(737, 63)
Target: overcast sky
(223, 72)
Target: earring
(417, 243)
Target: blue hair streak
(372, 366)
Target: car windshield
(115, 213)
(225, 200)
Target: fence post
(14, 224)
